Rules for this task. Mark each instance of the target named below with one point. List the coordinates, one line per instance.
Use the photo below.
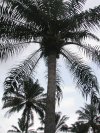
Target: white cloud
(68, 89)
(67, 103)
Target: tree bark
(50, 105)
(93, 128)
(27, 122)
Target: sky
(72, 98)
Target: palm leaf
(8, 49)
(75, 6)
(22, 71)
(60, 122)
(17, 130)
(15, 27)
(91, 52)
(77, 36)
(86, 81)
(30, 10)
(88, 113)
(84, 20)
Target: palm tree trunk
(50, 106)
(93, 128)
(27, 122)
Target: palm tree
(28, 97)
(54, 25)
(61, 126)
(88, 115)
(79, 127)
(20, 128)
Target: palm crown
(28, 97)
(88, 115)
(55, 25)
(52, 24)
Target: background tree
(79, 127)
(28, 97)
(88, 114)
(20, 128)
(55, 25)
(61, 125)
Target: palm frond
(95, 99)
(30, 10)
(93, 52)
(13, 26)
(87, 113)
(59, 93)
(21, 72)
(82, 73)
(60, 122)
(12, 108)
(8, 49)
(74, 6)
(64, 128)
(78, 36)
(84, 20)
(16, 128)
(39, 111)
(82, 116)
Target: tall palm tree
(60, 121)
(88, 115)
(20, 128)
(28, 97)
(54, 25)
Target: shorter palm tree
(79, 127)
(28, 97)
(88, 115)
(20, 128)
(60, 123)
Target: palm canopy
(28, 97)
(88, 115)
(54, 24)
(79, 127)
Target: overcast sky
(72, 98)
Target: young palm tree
(20, 128)
(88, 115)
(28, 97)
(61, 126)
(54, 25)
